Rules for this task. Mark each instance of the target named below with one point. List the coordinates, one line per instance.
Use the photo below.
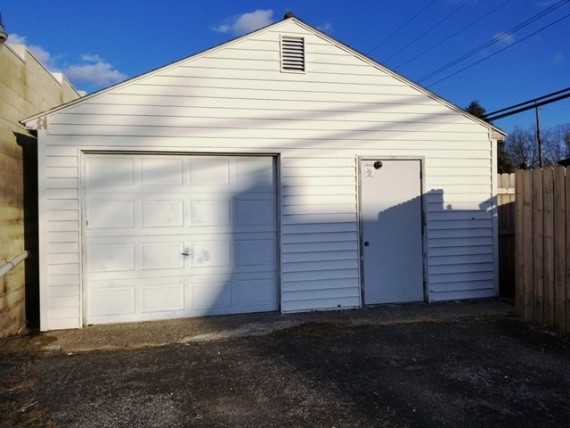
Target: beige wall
(26, 88)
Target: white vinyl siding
(235, 100)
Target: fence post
(519, 243)
(567, 235)
(548, 245)
(560, 256)
(526, 243)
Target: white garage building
(282, 171)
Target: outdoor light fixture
(3, 34)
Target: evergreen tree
(476, 110)
(504, 163)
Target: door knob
(366, 243)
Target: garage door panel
(255, 252)
(162, 171)
(162, 256)
(180, 236)
(112, 301)
(261, 292)
(255, 173)
(209, 296)
(158, 213)
(110, 214)
(208, 172)
(210, 213)
(111, 258)
(163, 298)
(110, 172)
(212, 253)
(254, 212)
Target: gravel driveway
(475, 371)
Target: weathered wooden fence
(542, 247)
(506, 207)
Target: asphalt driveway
(455, 365)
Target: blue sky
(97, 43)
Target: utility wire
(494, 40)
(401, 27)
(441, 21)
(526, 107)
(500, 50)
(534, 100)
(452, 35)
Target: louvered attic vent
(292, 54)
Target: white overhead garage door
(171, 236)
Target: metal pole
(538, 138)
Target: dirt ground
(473, 372)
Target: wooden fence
(542, 247)
(506, 208)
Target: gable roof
(31, 122)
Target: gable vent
(292, 54)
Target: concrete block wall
(26, 88)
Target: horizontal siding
(398, 109)
(313, 254)
(235, 100)
(286, 121)
(250, 133)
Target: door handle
(186, 252)
(366, 243)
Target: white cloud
(91, 58)
(41, 54)
(246, 22)
(327, 27)
(504, 39)
(98, 73)
(90, 70)
(16, 39)
(223, 28)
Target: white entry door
(391, 216)
(170, 236)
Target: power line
(527, 105)
(493, 41)
(534, 100)
(445, 18)
(401, 27)
(425, 51)
(500, 50)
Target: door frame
(83, 153)
(423, 214)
